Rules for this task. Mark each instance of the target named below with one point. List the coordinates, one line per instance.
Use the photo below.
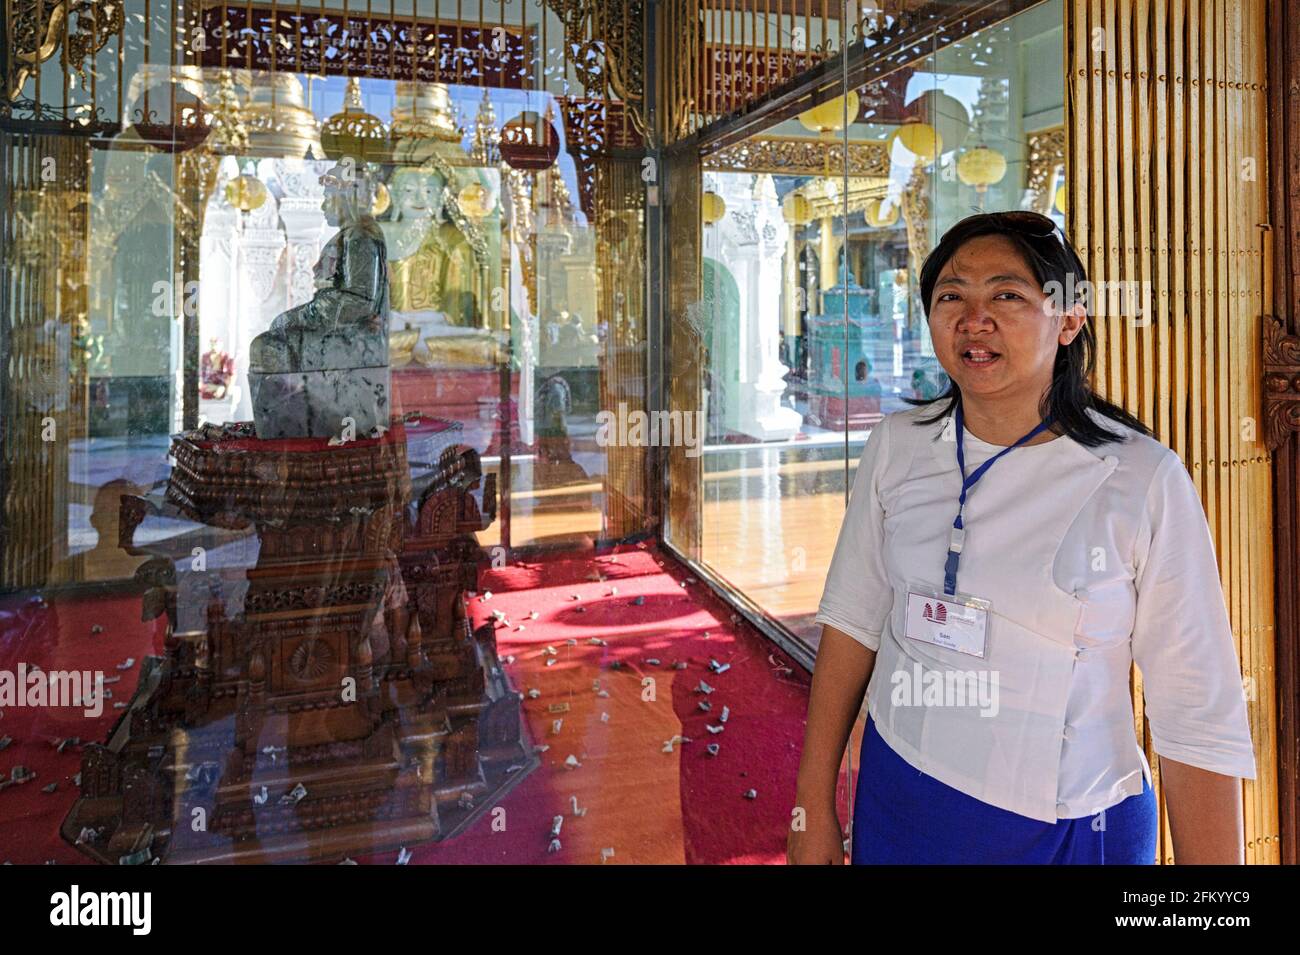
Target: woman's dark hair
(1052, 259)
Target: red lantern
(170, 118)
(529, 142)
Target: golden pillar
(1168, 122)
(790, 284)
(829, 253)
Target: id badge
(957, 622)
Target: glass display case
(426, 424)
(814, 228)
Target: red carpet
(647, 805)
(58, 637)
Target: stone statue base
(315, 404)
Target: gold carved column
(684, 362)
(791, 310)
(620, 249)
(42, 324)
(828, 253)
(916, 217)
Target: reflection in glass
(814, 235)
(295, 634)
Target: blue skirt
(901, 816)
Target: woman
(995, 610)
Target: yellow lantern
(475, 201)
(712, 208)
(829, 116)
(946, 114)
(383, 199)
(981, 167)
(246, 192)
(873, 215)
(1059, 201)
(796, 209)
(919, 139)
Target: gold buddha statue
(431, 263)
(437, 268)
(438, 252)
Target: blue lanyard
(958, 531)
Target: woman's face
(995, 330)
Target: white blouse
(1092, 559)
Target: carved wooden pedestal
(334, 700)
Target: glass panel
(774, 460)
(316, 324)
(310, 324)
(814, 235)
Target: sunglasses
(1031, 224)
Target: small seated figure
(322, 369)
(216, 369)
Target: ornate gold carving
(423, 111)
(827, 196)
(606, 40)
(276, 119)
(229, 133)
(39, 25)
(1281, 382)
(353, 131)
(801, 157)
(1046, 153)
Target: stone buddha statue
(322, 368)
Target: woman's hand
(819, 842)
(839, 683)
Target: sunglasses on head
(1029, 223)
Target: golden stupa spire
(352, 132)
(484, 149)
(229, 132)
